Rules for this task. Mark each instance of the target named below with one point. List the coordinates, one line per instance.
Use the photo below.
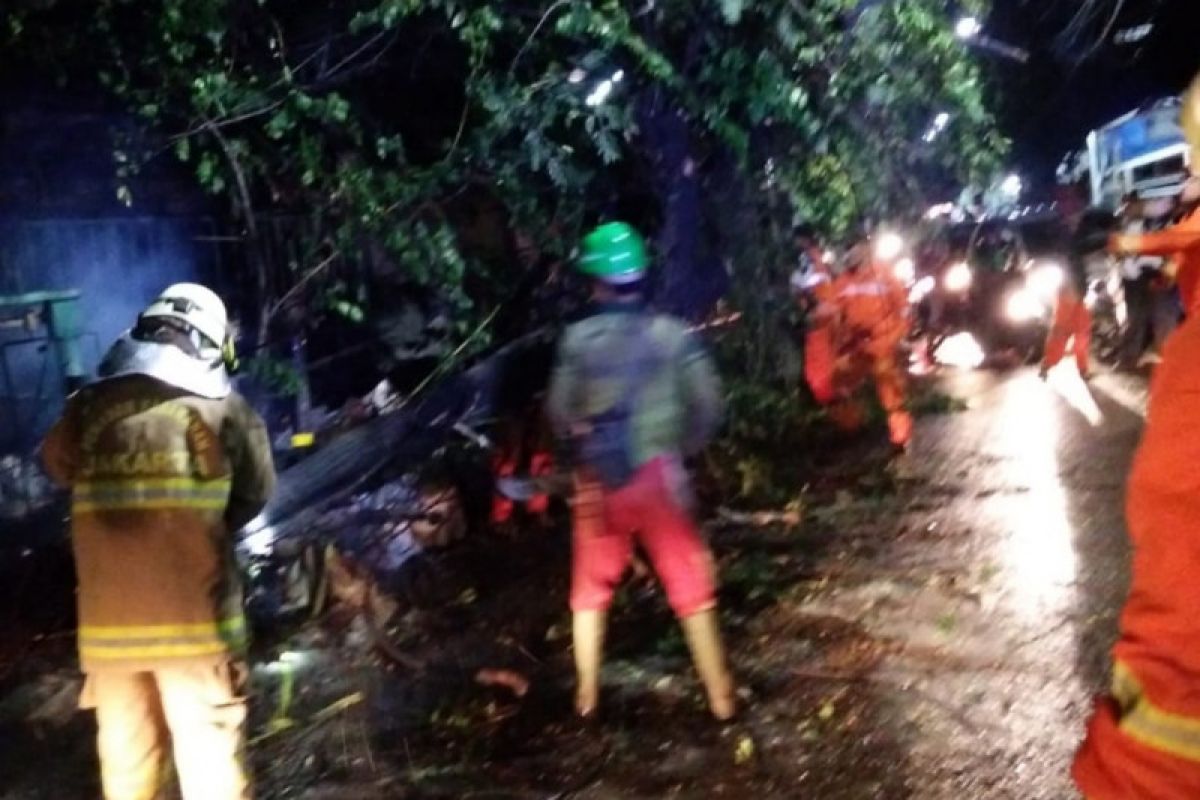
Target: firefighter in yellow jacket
(165, 462)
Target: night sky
(1074, 84)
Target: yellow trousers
(196, 712)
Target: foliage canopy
(420, 128)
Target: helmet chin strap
(229, 356)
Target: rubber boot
(703, 636)
(588, 630)
(900, 427)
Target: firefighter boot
(588, 630)
(704, 641)
(900, 428)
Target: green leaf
(280, 124)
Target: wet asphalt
(976, 602)
(1001, 581)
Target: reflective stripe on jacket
(145, 494)
(159, 481)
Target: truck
(1143, 151)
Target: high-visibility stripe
(231, 625)
(1154, 727)
(122, 642)
(91, 653)
(872, 289)
(148, 504)
(164, 483)
(150, 493)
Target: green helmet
(614, 253)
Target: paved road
(1012, 561)
(940, 640)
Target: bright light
(960, 350)
(906, 271)
(888, 246)
(577, 76)
(1012, 186)
(937, 126)
(258, 537)
(940, 210)
(289, 661)
(260, 542)
(967, 28)
(829, 257)
(600, 93)
(1135, 34)
(1037, 556)
(922, 288)
(294, 658)
(1023, 305)
(1045, 281)
(618, 76)
(958, 277)
(1066, 383)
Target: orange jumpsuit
(873, 307)
(1143, 740)
(1072, 322)
(820, 347)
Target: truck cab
(1143, 151)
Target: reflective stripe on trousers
(150, 493)
(1150, 725)
(127, 642)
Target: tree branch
(332, 72)
(308, 276)
(536, 30)
(243, 186)
(214, 126)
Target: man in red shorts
(633, 392)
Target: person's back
(872, 300)
(625, 356)
(631, 393)
(152, 471)
(164, 463)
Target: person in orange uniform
(812, 288)
(872, 309)
(1143, 740)
(1072, 320)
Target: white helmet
(195, 305)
